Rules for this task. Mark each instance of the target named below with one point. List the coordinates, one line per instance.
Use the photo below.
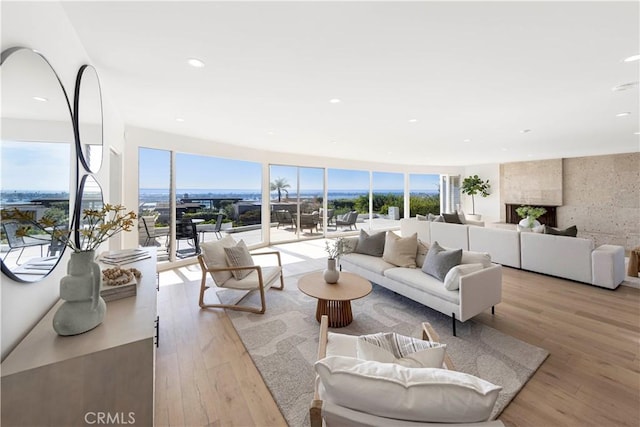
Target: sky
(38, 166)
(206, 172)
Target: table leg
(338, 312)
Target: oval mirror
(87, 108)
(89, 198)
(36, 146)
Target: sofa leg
(453, 323)
(493, 309)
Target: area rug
(283, 343)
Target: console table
(106, 374)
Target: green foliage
(531, 212)
(473, 185)
(250, 217)
(424, 205)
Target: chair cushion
(400, 251)
(371, 244)
(389, 347)
(439, 261)
(239, 256)
(252, 281)
(452, 279)
(215, 257)
(414, 394)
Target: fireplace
(511, 216)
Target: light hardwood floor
(205, 377)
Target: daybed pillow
(435, 218)
(472, 257)
(461, 217)
(439, 261)
(451, 218)
(452, 279)
(400, 251)
(389, 347)
(421, 217)
(214, 256)
(414, 394)
(569, 232)
(421, 253)
(239, 256)
(370, 244)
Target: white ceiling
(482, 71)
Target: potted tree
(471, 186)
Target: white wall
(488, 207)
(44, 26)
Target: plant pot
(474, 217)
(529, 223)
(83, 308)
(331, 274)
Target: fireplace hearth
(511, 216)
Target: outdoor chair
(309, 221)
(18, 242)
(330, 217)
(216, 229)
(349, 219)
(151, 233)
(284, 218)
(57, 244)
(231, 266)
(186, 230)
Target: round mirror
(87, 108)
(89, 198)
(37, 155)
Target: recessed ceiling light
(504, 149)
(194, 62)
(467, 140)
(525, 131)
(41, 99)
(270, 132)
(636, 133)
(179, 119)
(413, 120)
(624, 86)
(624, 113)
(335, 101)
(632, 58)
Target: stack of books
(125, 256)
(110, 293)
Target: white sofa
(477, 291)
(572, 258)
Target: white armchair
(455, 403)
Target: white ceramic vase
(529, 223)
(83, 308)
(331, 274)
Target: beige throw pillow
(421, 253)
(389, 347)
(400, 251)
(239, 256)
(214, 257)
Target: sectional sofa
(572, 258)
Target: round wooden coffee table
(335, 300)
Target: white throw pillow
(397, 392)
(452, 279)
(389, 347)
(400, 251)
(471, 257)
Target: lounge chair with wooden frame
(213, 262)
(327, 414)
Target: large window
(387, 197)
(347, 199)
(208, 186)
(424, 194)
(154, 210)
(296, 195)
